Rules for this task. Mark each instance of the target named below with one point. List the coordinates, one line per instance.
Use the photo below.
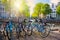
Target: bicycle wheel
(45, 32)
(21, 30)
(28, 30)
(1, 36)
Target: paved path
(52, 36)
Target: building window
(54, 11)
(52, 5)
(53, 15)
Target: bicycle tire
(45, 35)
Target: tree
(7, 4)
(24, 9)
(46, 9)
(42, 9)
(34, 15)
(58, 10)
(37, 10)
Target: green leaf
(58, 10)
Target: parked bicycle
(2, 31)
(20, 30)
(27, 27)
(43, 28)
(9, 28)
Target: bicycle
(41, 27)
(20, 30)
(2, 31)
(9, 28)
(27, 27)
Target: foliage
(34, 15)
(58, 10)
(38, 8)
(7, 4)
(24, 8)
(41, 8)
(46, 9)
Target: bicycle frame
(40, 27)
(9, 26)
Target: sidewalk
(56, 32)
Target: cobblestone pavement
(52, 36)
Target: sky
(55, 1)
